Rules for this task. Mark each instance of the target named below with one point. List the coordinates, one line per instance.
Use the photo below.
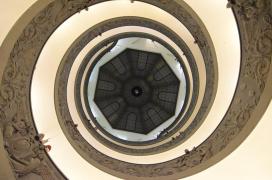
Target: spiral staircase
(136, 89)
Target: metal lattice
(137, 91)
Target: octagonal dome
(136, 91)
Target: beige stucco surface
(252, 160)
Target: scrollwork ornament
(248, 9)
(264, 43)
(25, 152)
(7, 92)
(43, 16)
(26, 155)
(29, 33)
(10, 73)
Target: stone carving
(247, 9)
(76, 5)
(211, 84)
(254, 20)
(68, 61)
(26, 154)
(31, 176)
(234, 122)
(73, 129)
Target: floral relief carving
(67, 62)
(247, 8)
(27, 155)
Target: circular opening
(134, 90)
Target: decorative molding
(253, 92)
(64, 69)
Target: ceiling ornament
(174, 136)
(27, 156)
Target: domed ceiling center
(136, 91)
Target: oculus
(135, 89)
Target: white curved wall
(252, 160)
(52, 54)
(144, 45)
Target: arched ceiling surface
(73, 26)
(71, 82)
(132, 9)
(258, 169)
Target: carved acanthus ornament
(27, 156)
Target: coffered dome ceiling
(146, 89)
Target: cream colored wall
(42, 87)
(252, 160)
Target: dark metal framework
(137, 91)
